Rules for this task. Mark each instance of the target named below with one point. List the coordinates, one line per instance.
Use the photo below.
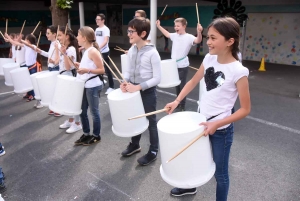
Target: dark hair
(102, 16)
(52, 28)
(229, 28)
(73, 40)
(140, 24)
(31, 38)
(89, 34)
(142, 13)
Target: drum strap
(33, 66)
(210, 118)
(100, 76)
(180, 59)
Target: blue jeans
(149, 101)
(32, 71)
(221, 142)
(1, 176)
(56, 68)
(91, 98)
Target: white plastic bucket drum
(67, 96)
(5, 61)
(6, 69)
(36, 89)
(20, 56)
(46, 83)
(125, 63)
(21, 80)
(169, 74)
(193, 167)
(122, 106)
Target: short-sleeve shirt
(181, 46)
(221, 92)
(100, 34)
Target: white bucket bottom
(6, 69)
(21, 80)
(67, 97)
(37, 95)
(4, 61)
(169, 74)
(194, 166)
(122, 106)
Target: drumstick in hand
(150, 113)
(68, 58)
(35, 28)
(6, 25)
(37, 45)
(197, 14)
(193, 68)
(22, 27)
(187, 146)
(117, 69)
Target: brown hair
(72, 39)
(102, 16)
(31, 38)
(229, 28)
(142, 13)
(181, 20)
(89, 34)
(140, 24)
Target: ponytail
(95, 45)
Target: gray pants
(182, 76)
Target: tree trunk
(59, 16)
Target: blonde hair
(181, 20)
(89, 34)
(142, 13)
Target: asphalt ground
(42, 163)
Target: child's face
(80, 39)
(216, 42)
(179, 28)
(50, 36)
(133, 36)
(61, 37)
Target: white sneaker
(105, 81)
(109, 90)
(66, 124)
(38, 104)
(74, 128)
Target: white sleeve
(241, 72)
(206, 61)
(106, 32)
(45, 54)
(192, 39)
(172, 36)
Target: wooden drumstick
(112, 71)
(37, 45)
(23, 27)
(187, 146)
(6, 24)
(120, 50)
(2, 35)
(35, 28)
(68, 58)
(150, 113)
(193, 68)
(164, 10)
(117, 70)
(197, 14)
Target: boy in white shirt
(102, 34)
(182, 43)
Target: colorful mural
(274, 36)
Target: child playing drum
(225, 79)
(143, 75)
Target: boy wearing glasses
(143, 75)
(182, 43)
(102, 34)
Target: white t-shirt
(51, 53)
(71, 52)
(100, 34)
(86, 62)
(221, 91)
(13, 52)
(30, 55)
(181, 46)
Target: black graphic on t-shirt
(98, 33)
(213, 79)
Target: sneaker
(109, 90)
(57, 115)
(30, 98)
(74, 128)
(2, 187)
(82, 139)
(148, 158)
(50, 112)
(2, 152)
(66, 124)
(91, 140)
(131, 149)
(38, 104)
(181, 192)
